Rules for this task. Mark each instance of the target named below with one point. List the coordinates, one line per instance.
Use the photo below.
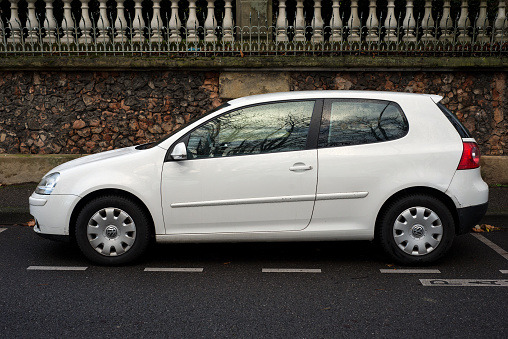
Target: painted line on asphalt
(410, 271)
(504, 271)
(464, 282)
(56, 268)
(173, 269)
(3, 229)
(291, 270)
(489, 243)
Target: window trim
(312, 136)
(327, 112)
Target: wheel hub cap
(111, 231)
(417, 231)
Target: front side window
(268, 128)
(356, 122)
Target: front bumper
(470, 216)
(52, 213)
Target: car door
(249, 170)
(359, 159)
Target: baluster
(137, 22)
(67, 22)
(500, 23)
(85, 24)
(192, 23)
(336, 22)
(156, 22)
(282, 35)
(391, 23)
(354, 23)
(463, 23)
(228, 22)
(210, 23)
(446, 22)
(15, 24)
(317, 23)
(372, 23)
(482, 23)
(50, 23)
(32, 24)
(103, 20)
(174, 23)
(409, 23)
(120, 22)
(299, 22)
(2, 33)
(427, 22)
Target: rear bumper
(470, 216)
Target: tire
(112, 230)
(416, 230)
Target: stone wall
(60, 112)
(89, 112)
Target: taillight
(470, 156)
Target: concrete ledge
(16, 169)
(252, 63)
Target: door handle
(300, 168)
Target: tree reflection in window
(363, 122)
(278, 127)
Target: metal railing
(344, 30)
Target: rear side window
(463, 131)
(357, 122)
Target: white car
(297, 166)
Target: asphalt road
(231, 290)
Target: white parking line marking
(417, 271)
(504, 271)
(2, 229)
(56, 268)
(489, 243)
(464, 282)
(290, 270)
(173, 269)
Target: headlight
(47, 183)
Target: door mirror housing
(179, 152)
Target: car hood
(94, 158)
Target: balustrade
(292, 22)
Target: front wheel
(416, 229)
(112, 230)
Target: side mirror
(179, 152)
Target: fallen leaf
(227, 263)
(477, 229)
(485, 228)
(389, 265)
(31, 223)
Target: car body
(296, 166)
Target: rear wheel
(416, 229)
(112, 230)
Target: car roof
(326, 94)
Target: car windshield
(155, 143)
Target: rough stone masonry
(82, 112)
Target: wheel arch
(102, 192)
(421, 190)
